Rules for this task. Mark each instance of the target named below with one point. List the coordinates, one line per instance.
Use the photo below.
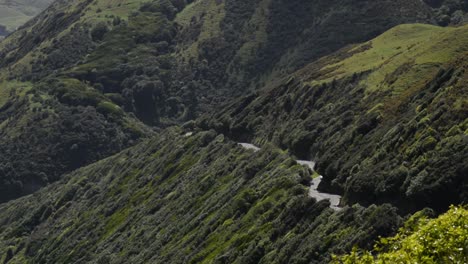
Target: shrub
(98, 32)
(421, 240)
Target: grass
(421, 240)
(214, 15)
(114, 221)
(403, 57)
(7, 87)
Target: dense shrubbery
(47, 26)
(135, 62)
(421, 240)
(177, 199)
(57, 127)
(107, 67)
(413, 157)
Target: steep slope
(54, 124)
(104, 67)
(236, 46)
(386, 121)
(179, 199)
(54, 127)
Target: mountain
(385, 120)
(120, 123)
(14, 13)
(185, 199)
(135, 65)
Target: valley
(123, 122)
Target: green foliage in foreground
(421, 240)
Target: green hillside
(386, 120)
(178, 199)
(120, 122)
(137, 66)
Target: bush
(421, 240)
(98, 32)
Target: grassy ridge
(409, 52)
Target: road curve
(249, 146)
(313, 192)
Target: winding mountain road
(313, 192)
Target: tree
(421, 240)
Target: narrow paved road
(249, 146)
(313, 192)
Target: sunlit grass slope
(403, 57)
